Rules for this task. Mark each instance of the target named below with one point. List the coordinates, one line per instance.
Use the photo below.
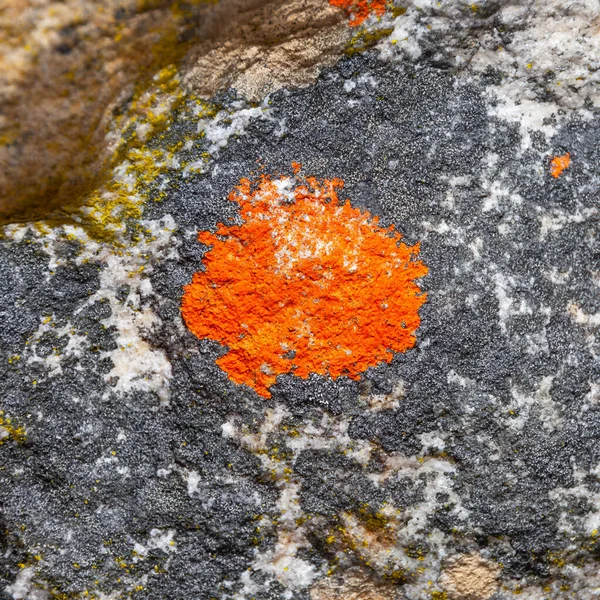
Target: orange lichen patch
(360, 10)
(307, 284)
(559, 163)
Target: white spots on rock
(432, 476)
(590, 322)
(391, 401)
(476, 246)
(158, 539)
(110, 461)
(282, 561)
(25, 587)
(360, 87)
(75, 347)
(438, 474)
(571, 523)
(550, 43)
(432, 440)
(435, 478)
(142, 129)
(407, 36)
(453, 377)
(258, 441)
(592, 398)
(136, 364)
(548, 56)
(330, 434)
(366, 80)
(540, 403)
(228, 429)
(162, 540)
(581, 317)
(349, 85)
(44, 237)
(454, 183)
(499, 197)
(537, 342)
(15, 232)
(558, 277)
(106, 460)
(505, 302)
(507, 289)
(555, 220)
(529, 114)
(229, 122)
(442, 227)
(193, 479)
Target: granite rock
(467, 467)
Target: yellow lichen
(10, 431)
(364, 39)
(136, 162)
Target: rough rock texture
(132, 467)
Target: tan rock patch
(470, 577)
(354, 584)
(268, 45)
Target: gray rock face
(132, 466)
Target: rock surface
(132, 466)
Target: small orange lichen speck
(307, 284)
(360, 10)
(559, 163)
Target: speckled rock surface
(131, 466)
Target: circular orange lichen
(306, 284)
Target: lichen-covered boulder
(314, 314)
